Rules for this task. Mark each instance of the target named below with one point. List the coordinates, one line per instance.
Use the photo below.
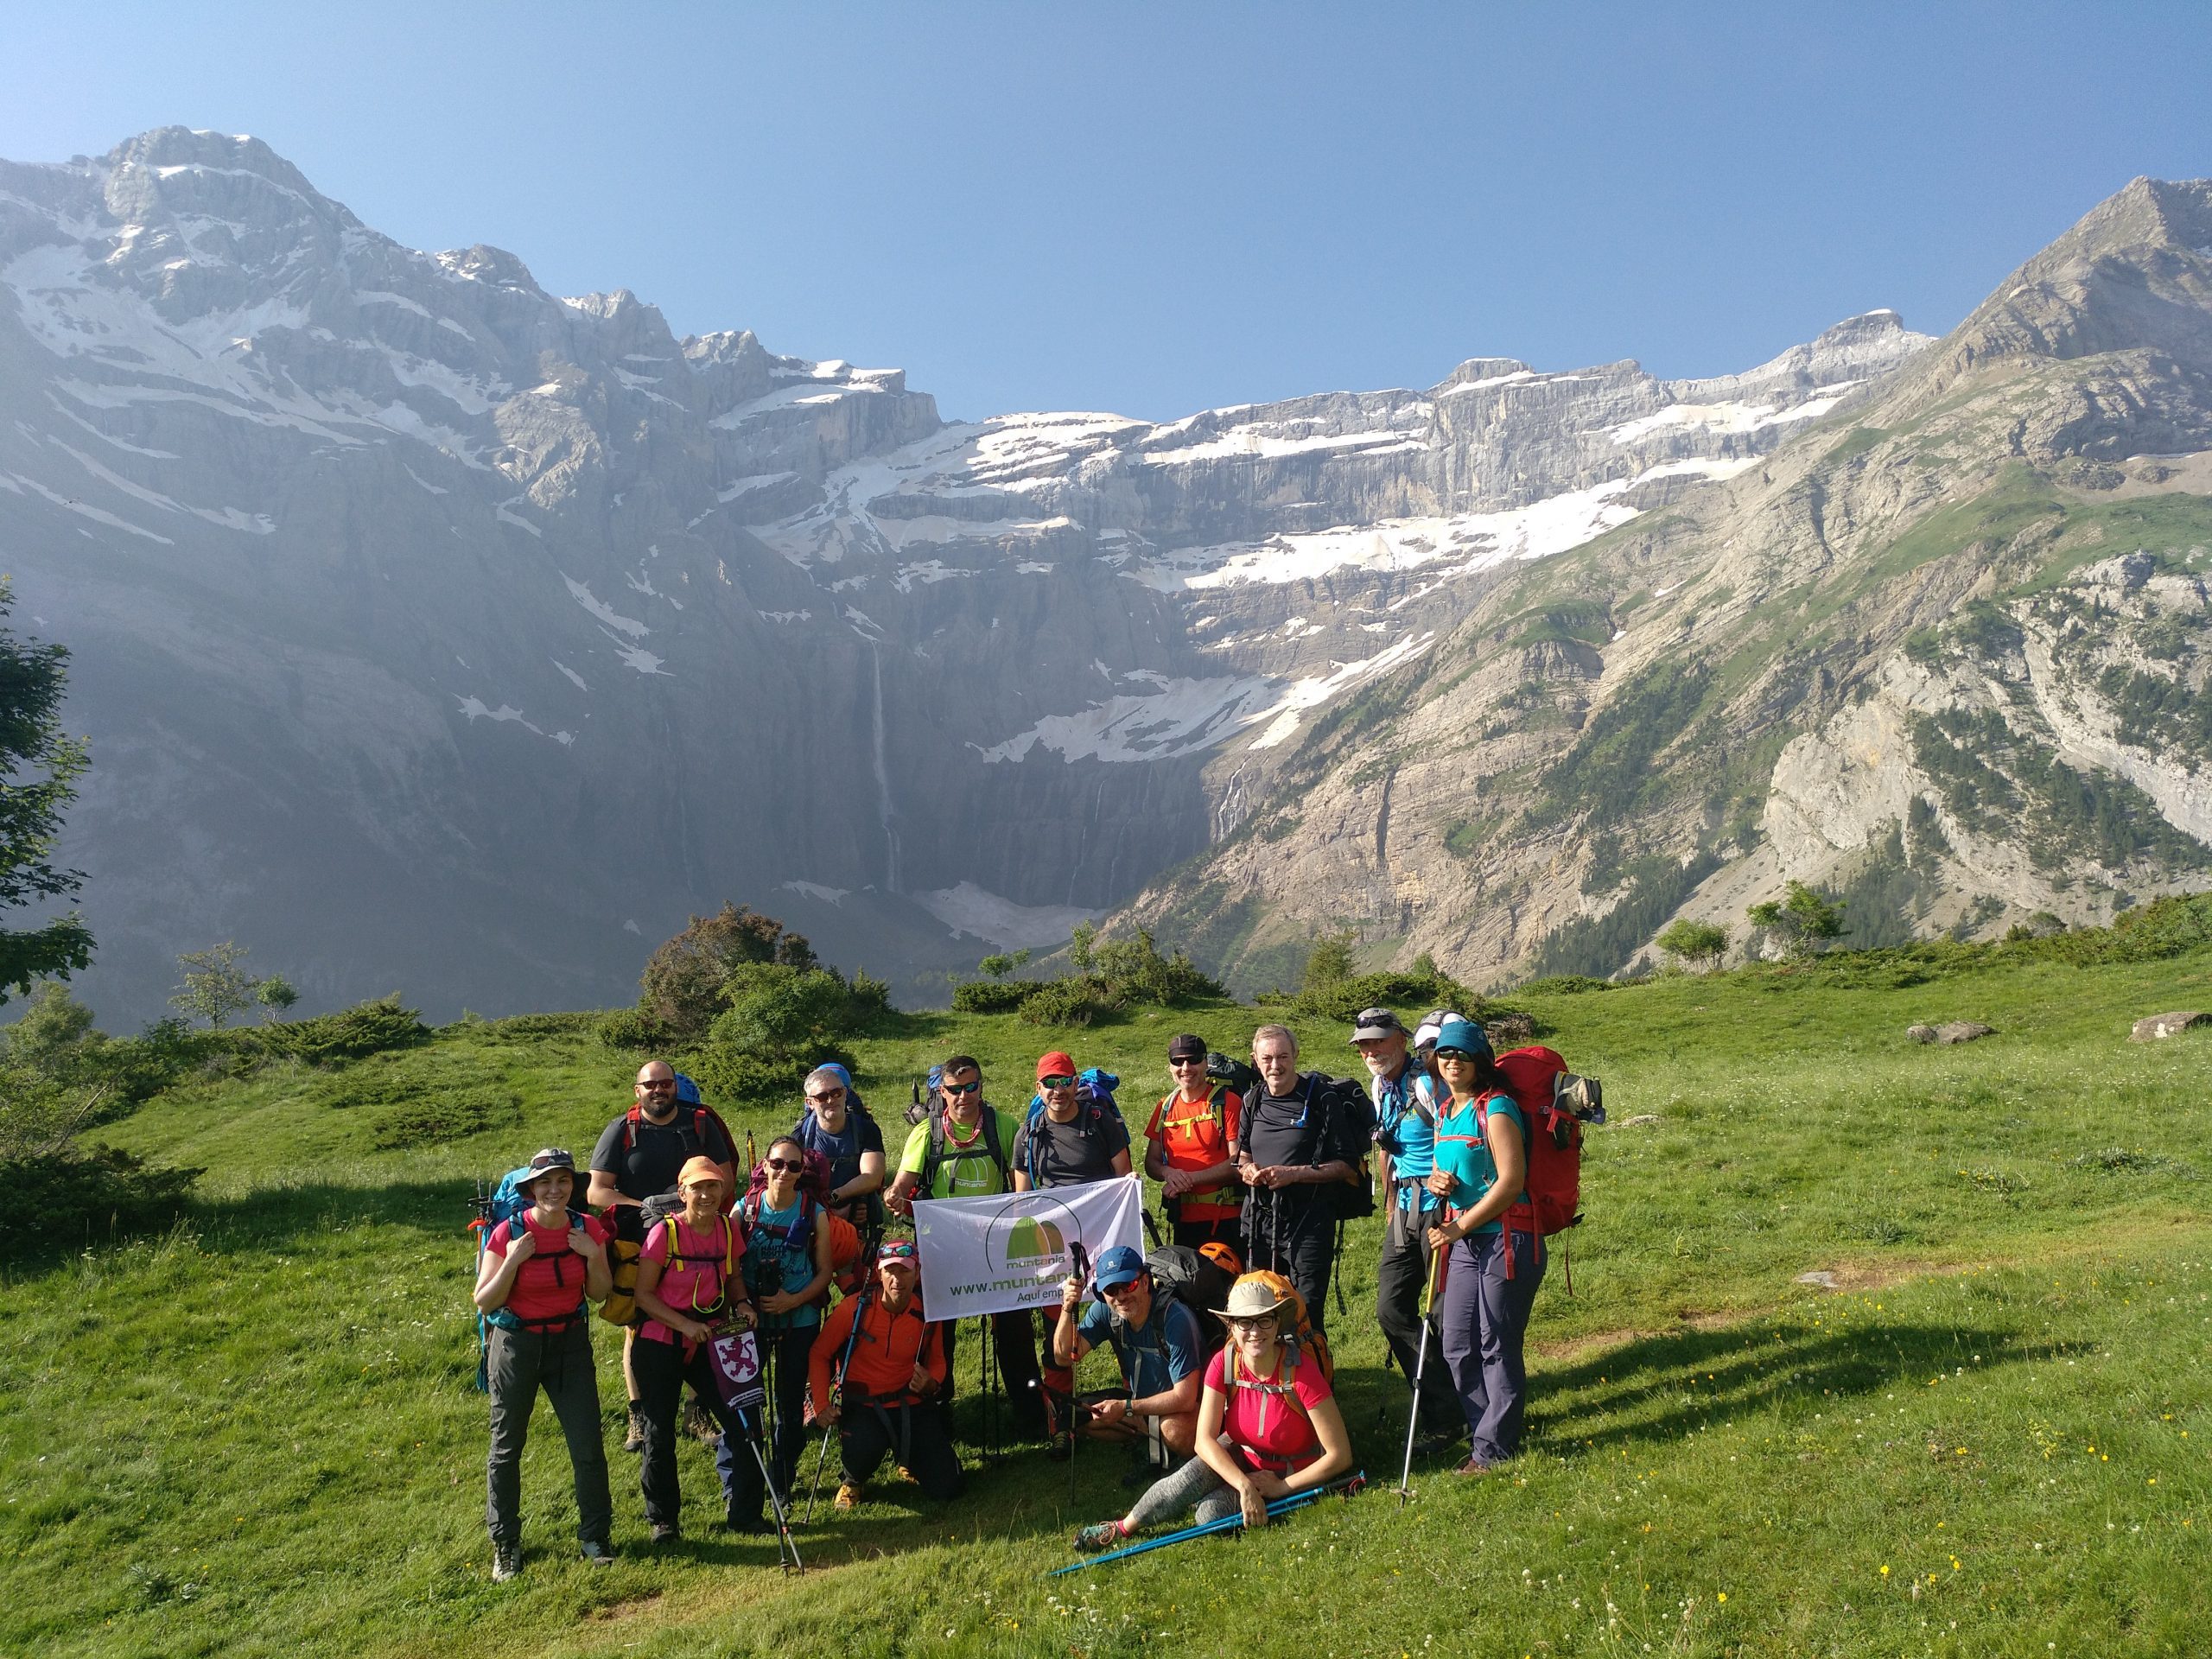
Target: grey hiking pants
(1484, 1316)
(521, 1362)
(1173, 1493)
(1401, 1276)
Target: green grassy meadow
(258, 1435)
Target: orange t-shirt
(1191, 1140)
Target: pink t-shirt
(550, 1284)
(694, 1280)
(1260, 1417)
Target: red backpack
(1552, 1100)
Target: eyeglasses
(971, 1087)
(1253, 1323)
(1055, 1082)
(793, 1164)
(824, 1099)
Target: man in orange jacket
(887, 1398)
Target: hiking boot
(1104, 1536)
(849, 1493)
(667, 1532)
(699, 1423)
(598, 1553)
(635, 1440)
(506, 1562)
(1061, 1446)
(1472, 1466)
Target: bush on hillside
(433, 1120)
(993, 995)
(1133, 971)
(1412, 991)
(372, 1028)
(72, 1199)
(683, 985)
(779, 1021)
(633, 1028)
(1071, 1002)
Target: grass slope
(258, 1436)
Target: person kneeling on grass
(885, 1396)
(1267, 1426)
(1161, 1347)
(540, 1274)
(689, 1289)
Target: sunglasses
(961, 1087)
(1187, 1059)
(1055, 1082)
(656, 1083)
(824, 1100)
(791, 1164)
(1453, 1054)
(1115, 1292)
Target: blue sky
(1157, 208)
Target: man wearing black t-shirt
(637, 1157)
(1073, 1141)
(1289, 1159)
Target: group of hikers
(1230, 1405)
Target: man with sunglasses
(639, 1157)
(1161, 1349)
(958, 1152)
(843, 1131)
(1191, 1150)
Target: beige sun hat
(1251, 1298)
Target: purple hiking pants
(1483, 1316)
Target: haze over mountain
(436, 632)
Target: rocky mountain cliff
(433, 631)
(1942, 652)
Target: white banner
(1011, 1250)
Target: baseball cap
(1375, 1022)
(1431, 1023)
(1119, 1266)
(1055, 1065)
(1186, 1047)
(1464, 1035)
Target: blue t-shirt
(1156, 1355)
(776, 1261)
(1394, 1113)
(1463, 1152)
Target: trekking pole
(1081, 1258)
(1347, 1485)
(785, 1542)
(1420, 1365)
(836, 1388)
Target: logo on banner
(1029, 1232)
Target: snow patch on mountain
(970, 911)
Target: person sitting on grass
(886, 1397)
(540, 1273)
(1161, 1347)
(1268, 1426)
(689, 1289)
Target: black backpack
(1180, 1273)
(1347, 1131)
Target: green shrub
(995, 995)
(684, 982)
(536, 1027)
(729, 1080)
(633, 1028)
(1071, 1002)
(436, 1119)
(1133, 971)
(372, 1028)
(69, 1200)
(1412, 991)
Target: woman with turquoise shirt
(787, 1267)
(1493, 1271)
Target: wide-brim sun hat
(552, 1161)
(1251, 1299)
(1370, 1024)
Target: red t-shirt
(1259, 1419)
(694, 1282)
(1189, 1140)
(550, 1284)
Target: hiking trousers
(785, 1354)
(916, 1436)
(1400, 1278)
(518, 1364)
(1485, 1316)
(662, 1371)
(1014, 1336)
(1297, 1240)
(1194, 1485)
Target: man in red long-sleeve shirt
(891, 1384)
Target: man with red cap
(1074, 1140)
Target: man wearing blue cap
(1161, 1347)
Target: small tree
(38, 768)
(681, 987)
(215, 987)
(275, 996)
(999, 966)
(1702, 945)
(1329, 963)
(1079, 945)
(1804, 921)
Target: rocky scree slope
(435, 631)
(1943, 651)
